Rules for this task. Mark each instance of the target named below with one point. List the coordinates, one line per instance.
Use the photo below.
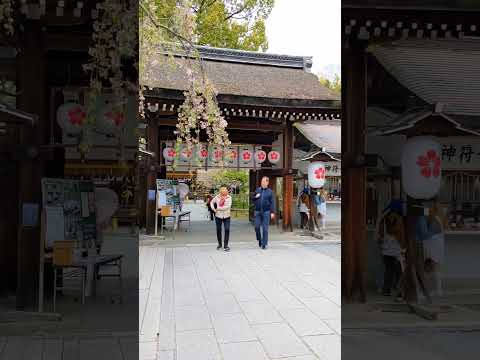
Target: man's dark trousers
(262, 220)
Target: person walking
(223, 202)
(264, 201)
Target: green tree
(235, 24)
(334, 85)
(237, 178)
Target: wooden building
(53, 41)
(260, 95)
(393, 55)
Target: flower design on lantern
(260, 156)
(232, 155)
(274, 157)
(169, 153)
(246, 155)
(320, 173)
(202, 153)
(115, 117)
(217, 154)
(76, 116)
(429, 164)
(186, 153)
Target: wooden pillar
(152, 144)
(354, 236)
(287, 223)
(31, 75)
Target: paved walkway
(202, 304)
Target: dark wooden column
(31, 77)
(354, 236)
(288, 179)
(152, 144)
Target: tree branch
(235, 13)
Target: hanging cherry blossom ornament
(260, 156)
(316, 174)
(169, 153)
(71, 117)
(246, 156)
(274, 157)
(421, 167)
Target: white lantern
(169, 153)
(217, 154)
(202, 153)
(112, 120)
(231, 155)
(186, 153)
(421, 167)
(260, 156)
(246, 156)
(316, 174)
(71, 118)
(273, 157)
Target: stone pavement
(203, 304)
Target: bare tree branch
(236, 12)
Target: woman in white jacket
(222, 216)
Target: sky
(307, 28)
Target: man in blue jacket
(264, 201)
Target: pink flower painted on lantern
(217, 154)
(76, 116)
(429, 164)
(116, 117)
(246, 156)
(274, 156)
(171, 153)
(204, 153)
(232, 154)
(261, 155)
(320, 173)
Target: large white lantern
(186, 153)
(71, 118)
(231, 155)
(421, 167)
(202, 153)
(246, 156)
(316, 174)
(217, 154)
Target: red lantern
(273, 157)
(316, 174)
(260, 156)
(169, 153)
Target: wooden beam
(153, 145)
(236, 123)
(354, 98)
(287, 223)
(31, 73)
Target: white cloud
(306, 28)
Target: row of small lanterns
(217, 154)
(72, 117)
